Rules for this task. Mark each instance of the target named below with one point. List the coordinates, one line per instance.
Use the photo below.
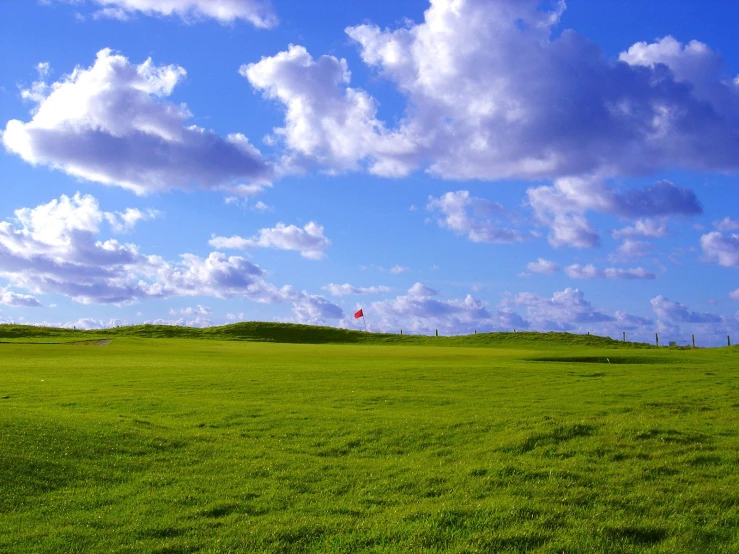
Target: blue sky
(457, 165)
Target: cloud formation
(471, 216)
(492, 94)
(15, 300)
(109, 123)
(541, 265)
(424, 315)
(54, 249)
(347, 289)
(576, 271)
(309, 241)
(647, 227)
(419, 289)
(563, 205)
(256, 12)
(724, 249)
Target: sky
(460, 165)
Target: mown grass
(179, 445)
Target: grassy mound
(310, 334)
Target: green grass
(489, 443)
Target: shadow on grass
(641, 535)
(558, 435)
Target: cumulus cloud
(726, 224)
(347, 289)
(419, 289)
(109, 123)
(562, 206)
(541, 265)
(423, 315)
(629, 249)
(309, 241)
(315, 310)
(399, 269)
(576, 271)
(10, 298)
(256, 12)
(566, 310)
(723, 249)
(471, 216)
(326, 122)
(198, 310)
(648, 227)
(55, 248)
(123, 222)
(492, 94)
(677, 319)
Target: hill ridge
(313, 334)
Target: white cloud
(576, 271)
(491, 93)
(110, 124)
(235, 317)
(309, 241)
(399, 269)
(479, 226)
(630, 249)
(90, 323)
(256, 12)
(123, 222)
(316, 310)
(541, 265)
(346, 289)
(54, 248)
(423, 314)
(677, 321)
(326, 121)
(10, 298)
(419, 289)
(726, 224)
(734, 295)
(562, 205)
(198, 310)
(724, 249)
(648, 227)
(564, 311)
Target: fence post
(624, 336)
(401, 331)
(475, 331)
(656, 338)
(693, 341)
(437, 332)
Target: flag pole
(364, 320)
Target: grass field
(489, 443)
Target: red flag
(359, 314)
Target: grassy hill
(311, 334)
(527, 442)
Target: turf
(505, 443)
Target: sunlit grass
(178, 445)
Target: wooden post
(624, 336)
(437, 332)
(401, 331)
(693, 341)
(656, 338)
(475, 331)
(588, 333)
